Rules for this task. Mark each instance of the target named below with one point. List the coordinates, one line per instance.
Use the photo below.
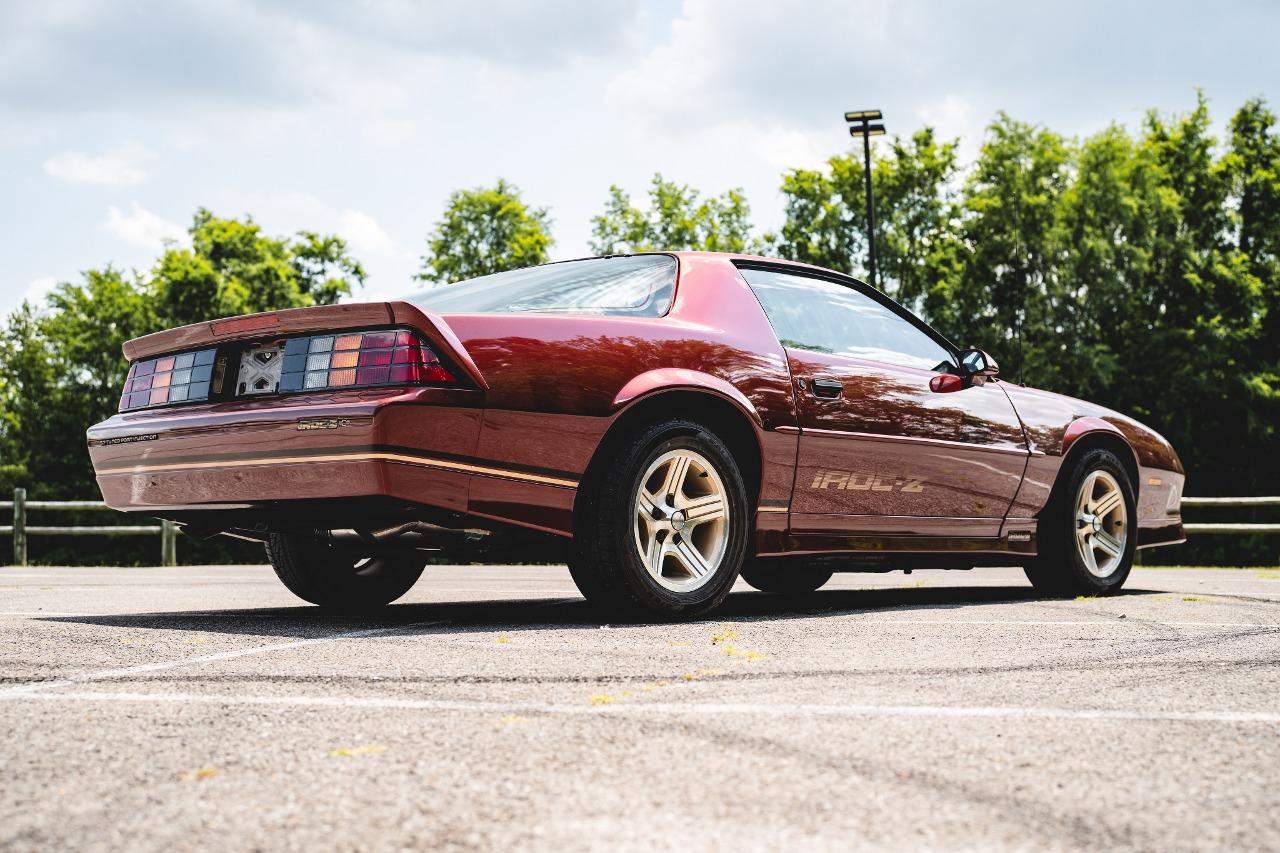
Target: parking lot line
(31, 687)
(1103, 620)
(666, 708)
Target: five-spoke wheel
(1084, 542)
(661, 528)
(1101, 523)
(681, 525)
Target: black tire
(316, 572)
(785, 579)
(604, 561)
(1060, 570)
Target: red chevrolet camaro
(674, 420)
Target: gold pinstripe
(485, 470)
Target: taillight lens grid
(315, 363)
(354, 359)
(171, 379)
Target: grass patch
(727, 632)
(744, 654)
(1215, 568)
(198, 775)
(356, 751)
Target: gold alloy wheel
(681, 520)
(1101, 524)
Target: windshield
(637, 286)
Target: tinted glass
(813, 314)
(633, 287)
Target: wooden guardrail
(168, 531)
(1194, 529)
(20, 530)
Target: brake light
(358, 359)
(171, 379)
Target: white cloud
(118, 167)
(94, 55)
(39, 288)
(363, 233)
(143, 228)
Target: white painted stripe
(670, 708)
(852, 618)
(33, 614)
(1113, 621)
(31, 687)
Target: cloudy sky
(119, 119)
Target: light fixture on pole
(860, 124)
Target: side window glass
(823, 316)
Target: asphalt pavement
(204, 707)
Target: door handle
(828, 389)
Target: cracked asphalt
(202, 707)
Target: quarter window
(634, 286)
(823, 316)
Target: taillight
(171, 379)
(356, 359)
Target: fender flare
(662, 379)
(1085, 426)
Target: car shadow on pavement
(532, 614)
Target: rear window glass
(639, 286)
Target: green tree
(486, 230)
(61, 362)
(825, 213)
(1007, 215)
(1252, 166)
(233, 268)
(1200, 312)
(675, 220)
(63, 371)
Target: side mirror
(975, 362)
(945, 383)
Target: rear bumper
(409, 446)
(337, 458)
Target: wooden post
(168, 543)
(19, 527)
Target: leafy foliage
(61, 364)
(674, 221)
(486, 230)
(233, 268)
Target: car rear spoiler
(297, 321)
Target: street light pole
(871, 211)
(860, 125)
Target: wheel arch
(730, 416)
(1085, 434)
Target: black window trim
(853, 284)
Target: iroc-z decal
(323, 423)
(863, 482)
